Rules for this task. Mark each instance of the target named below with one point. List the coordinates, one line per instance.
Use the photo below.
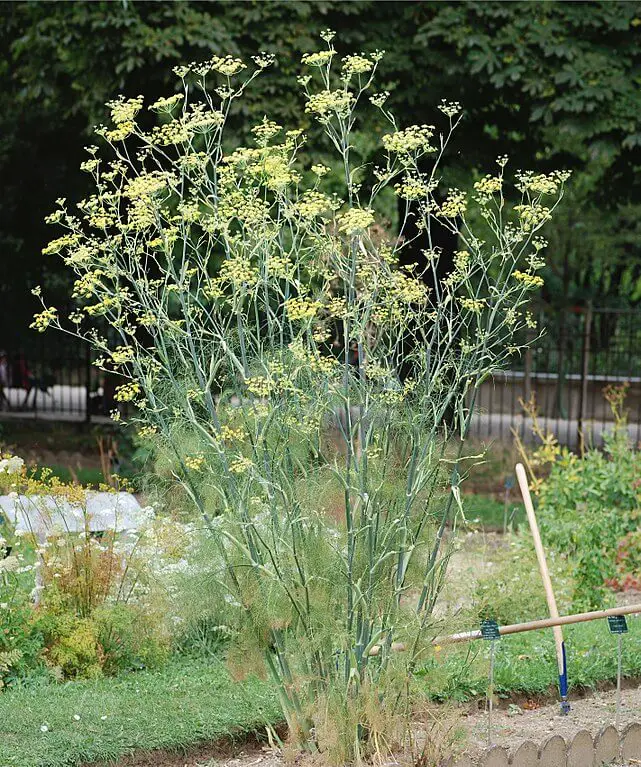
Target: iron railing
(579, 352)
(566, 369)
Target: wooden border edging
(544, 623)
(608, 747)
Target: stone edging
(607, 747)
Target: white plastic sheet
(46, 515)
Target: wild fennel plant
(272, 348)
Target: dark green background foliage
(552, 84)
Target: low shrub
(510, 589)
(129, 638)
(75, 602)
(588, 504)
(72, 647)
(21, 643)
(628, 563)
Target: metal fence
(51, 378)
(566, 369)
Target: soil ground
(214, 755)
(516, 723)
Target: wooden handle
(544, 623)
(543, 566)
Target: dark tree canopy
(552, 84)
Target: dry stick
(547, 585)
(544, 623)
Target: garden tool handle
(543, 567)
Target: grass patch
(187, 702)
(491, 514)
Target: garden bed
(591, 711)
(179, 714)
(245, 752)
(512, 724)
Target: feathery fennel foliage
(266, 325)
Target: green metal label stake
(619, 626)
(490, 632)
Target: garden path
(516, 723)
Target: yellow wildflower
(355, 221)
(195, 462)
(455, 204)
(313, 204)
(123, 111)
(324, 103)
(265, 131)
(318, 59)
(529, 280)
(166, 104)
(412, 140)
(356, 65)
(475, 305)
(259, 386)
(300, 308)
(533, 215)
(489, 185)
(240, 465)
(45, 318)
(127, 392)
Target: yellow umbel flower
(489, 185)
(326, 103)
(45, 318)
(355, 221)
(529, 280)
(299, 308)
(412, 140)
(313, 204)
(127, 392)
(455, 204)
(166, 104)
(195, 462)
(240, 465)
(475, 305)
(318, 59)
(533, 215)
(124, 111)
(356, 65)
